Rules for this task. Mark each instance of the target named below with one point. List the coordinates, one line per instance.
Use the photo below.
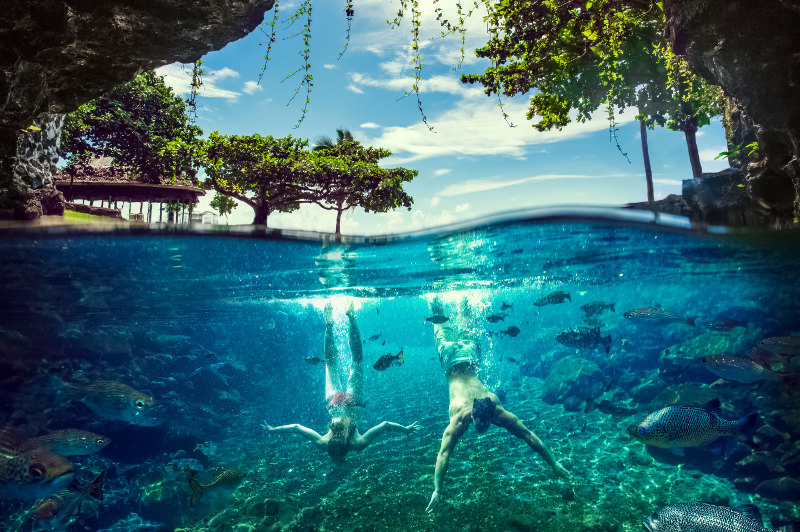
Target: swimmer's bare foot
(350, 312)
(437, 307)
(328, 313)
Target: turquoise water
(217, 326)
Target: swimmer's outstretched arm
(306, 432)
(450, 438)
(372, 434)
(510, 422)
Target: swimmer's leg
(357, 351)
(333, 381)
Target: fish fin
(717, 446)
(747, 423)
(690, 320)
(714, 406)
(400, 356)
(198, 490)
(611, 306)
(96, 488)
(750, 511)
(680, 451)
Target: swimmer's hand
(560, 470)
(267, 427)
(414, 427)
(434, 501)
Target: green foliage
(142, 125)
(736, 151)
(223, 204)
(259, 171)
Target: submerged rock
(572, 381)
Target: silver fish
(678, 427)
(739, 369)
(72, 442)
(658, 316)
(28, 471)
(66, 505)
(703, 517)
(781, 345)
(111, 400)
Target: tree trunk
(339, 221)
(648, 173)
(690, 130)
(262, 213)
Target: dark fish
(313, 360)
(388, 360)
(781, 345)
(65, 505)
(229, 478)
(704, 517)
(678, 427)
(437, 318)
(111, 400)
(72, 442)
(595, 308)
(584, 337)
(494, 318)
(552, 299)
(506, 306)
(29, 471)
(658, 316)
(739, 369)
(725, 324)
(374, 337)
(512, 360)
(512, 331)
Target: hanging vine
(197, 82)
(302, 13)
(349, 12)
(271, 38)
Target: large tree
(223, 204)
(142, 125)
(258, 171)
(345, 174)
(580, 56)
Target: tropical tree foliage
(223, 204)
(583, 55)
(142, 125)
(258, 171)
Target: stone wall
(752, 51)
(58, 54)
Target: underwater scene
(547, 374)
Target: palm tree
(324, 142)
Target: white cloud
(251, 87)
(484, 185)
(434, 201)
(441, 171)
(476, 128)
(354, 88)
(463, 207)
(329, 66)
(668, 181)
(179, 77)
(369, 125)
(448, 84)
(223, 73)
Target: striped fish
(229, 478)
(28, 471)
(72, 442)
(658, 316)
(703, 517)
(678, 427)
(60, 508)
(111, 400)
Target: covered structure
(99, 180)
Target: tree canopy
(142, 125)
(581, 55)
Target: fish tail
(400, 356)
(198, 490)
(611, 306)
(747, 423)
(690, 320)
(96, 487)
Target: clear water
(217, 327)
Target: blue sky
(472, 164)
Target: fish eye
(641, 430)
(36, 471)
(139, 404)
(99, 441)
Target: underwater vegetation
(524, 376)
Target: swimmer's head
(339, 444)
(483, 413)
